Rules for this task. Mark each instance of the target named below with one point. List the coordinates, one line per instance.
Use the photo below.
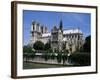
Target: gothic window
(78, 37)
(42, 29)
(32, 33)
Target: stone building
(59, 38)
(56, 39)
(36, 33)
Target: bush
(52, 56)
(29, 56)
(28, 53)
(49, 50)
(59, 57)
(64, 57)
(82, 59)
(32, 55)
(46, 56)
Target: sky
(51, 19)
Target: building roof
(46, 34)
(69, 31)
(66, 31)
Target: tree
(87, 44)
(46, 56)
(59, 57)
(64, 55)
(27, 49)
(82, 59)
(47, 46)
(28, 52)
(52, 56)
(38, 45)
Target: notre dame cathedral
(58, 37)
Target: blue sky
(49, 19)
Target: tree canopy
(87, 44)
(38, 45)
(27, 49)
(47, 46)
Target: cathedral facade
(59, 38)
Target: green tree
(38, 45)
(27, 49)
(46, 56)
(28, 53)
(52, 56)
(47, 46)
(87, 44)
(64, 56)
(59, 57)
(82, 59)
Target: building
(36, 33)
(59, 38)
(56, 39)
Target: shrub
(59, 57)
(46, 56)
(64, 57)
(52, 56)
(82, 59)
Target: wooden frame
(14, 38)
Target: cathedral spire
(61, 25)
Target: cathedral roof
(66, 31)
(46, 34)
(69, 31)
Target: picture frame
(19, 11)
